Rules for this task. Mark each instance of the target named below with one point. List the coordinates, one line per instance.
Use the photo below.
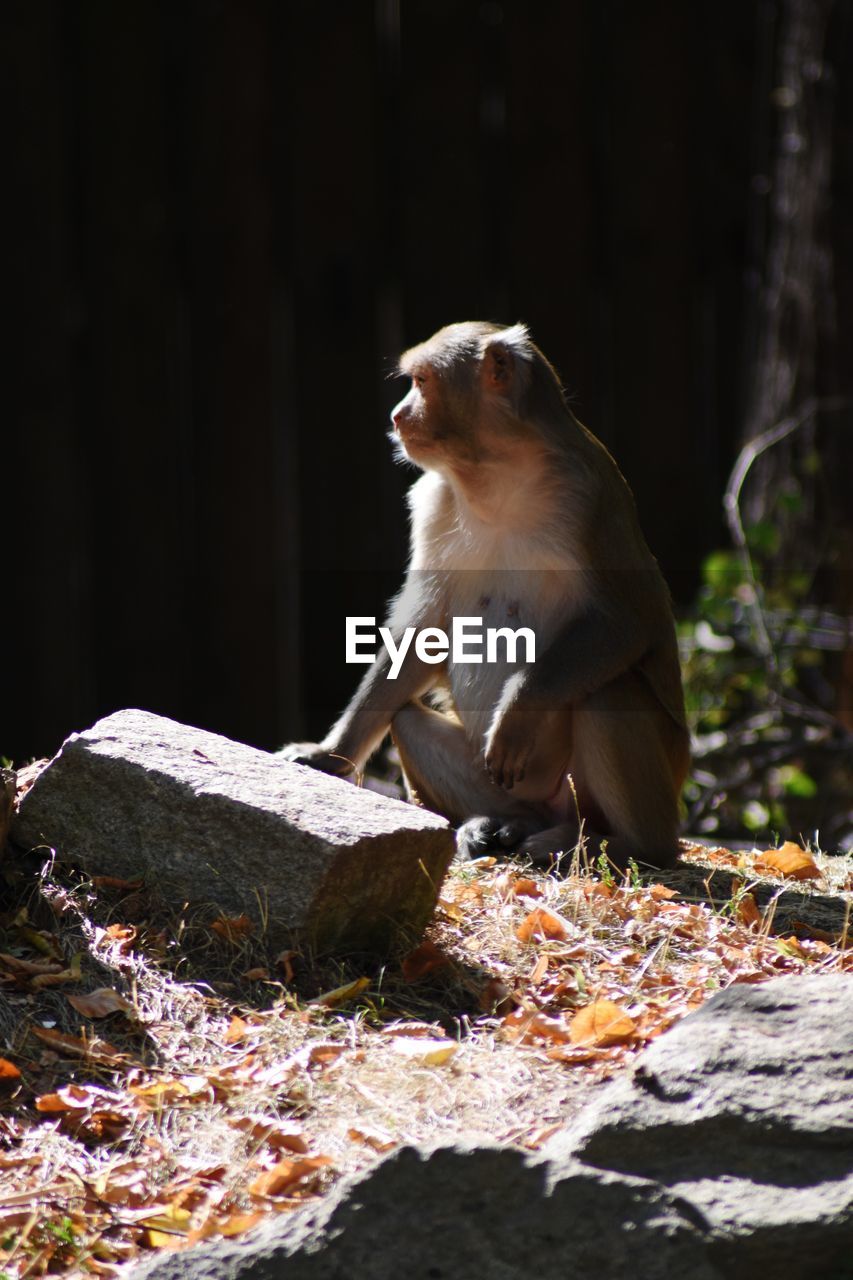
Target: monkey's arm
(359, 731)
(588, 651)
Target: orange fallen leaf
(115, 882)
(286, 1174)
(168, 1229)
(524, 887)
(423, 960)
(259, 1129)
(337, 996)
(284, 961)
(527, 1025)
(378, 1141)
(746, 910)
(258, 974)
(601, 1023)
(429, 1029)
(233, 928)
(15, 965)
(238, 1029)
(322, 1055)
(8, 1070)
(662, 892)
(232, 1224)
(423, 1052)
(71, 1097)
(571, 1056)
(97, 1050)
(541, 923)
(597, 889)
(792, 946)
(162, 1092)
(790, 861)
(496, 997)
(100, 1003)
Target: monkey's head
(478, 390)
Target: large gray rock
(461, 1213)
(745, 1110)
(726, 1154)
(214, 821)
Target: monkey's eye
(418, 380)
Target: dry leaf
(238, 1029)
(524, 887)
(378, 1141)
(423, 960)
(115, 882)
(662, 892)
(571, 1056)
(168, 1230)
(162, 1092)
(56, 979)
(426, 1053)
(542, 924)
(285, 1175)
(100, 1003)
(97, 1050)
(262, 1130)
(284, 961)
(72, 1096)
(257, 975)
(26, 967)
(527, 1025)
(429, 1029)
(322, 1055)
(451, 910)
(233, 928)
(746, 910)
(232, 1224)
(8, 1070)
(597, 889)
(121, 933)
(601, 1023)
(496, 997)
(350, 989)
(790, 861)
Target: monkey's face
(429, 433)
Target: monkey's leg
(631, 757)
(444, 773)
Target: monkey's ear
(498, 368)
(504, 358)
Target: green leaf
(755, 816)
(763, 537)
(796, 783)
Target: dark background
(229, 216)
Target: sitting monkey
(522, 518)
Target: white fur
(513, 571)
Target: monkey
(521, 517)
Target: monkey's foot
(479, 836)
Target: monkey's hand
(510, 742)
(316, 755)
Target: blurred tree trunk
(796, 505)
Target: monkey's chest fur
(509, 582)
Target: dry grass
(231, 1088)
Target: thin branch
(731, 505)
